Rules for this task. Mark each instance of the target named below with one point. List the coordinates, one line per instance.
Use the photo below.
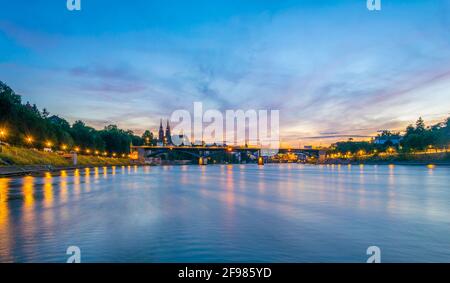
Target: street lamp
(2, 133)
(48, 144)
(29, 140)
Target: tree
(420, 125)
(23, 121)
(45, 113)
(147, 137)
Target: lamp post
(2, 135)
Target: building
(164, 138)
(391, 140)
(160, 134)
(168, 138)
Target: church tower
(161, 133)
(168, 135)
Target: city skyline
(338, 71)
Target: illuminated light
(229, 149)
(28, 192)
(3, 132)
(88, 151)
(431, 166)
(64, 147)
(123, 155)
(48, 144)
(96, 152)
(77, 149)
(260, 161)
(114, 154)
(4, 207)
(29, 139)
(105, 153)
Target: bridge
(207, 154)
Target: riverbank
(397, 159)
(16, 161)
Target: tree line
(416, 137)
(25, 125)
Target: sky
(333, 69)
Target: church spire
(160, 133)
(168, 134)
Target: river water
(228, 213)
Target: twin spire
(164, 138)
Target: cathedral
(164, 138)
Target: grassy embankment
(12, 155)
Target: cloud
(33, 40)
(111, 89)
(362, 75)
(122, 73)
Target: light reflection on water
(222, 213)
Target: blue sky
(332, 68)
